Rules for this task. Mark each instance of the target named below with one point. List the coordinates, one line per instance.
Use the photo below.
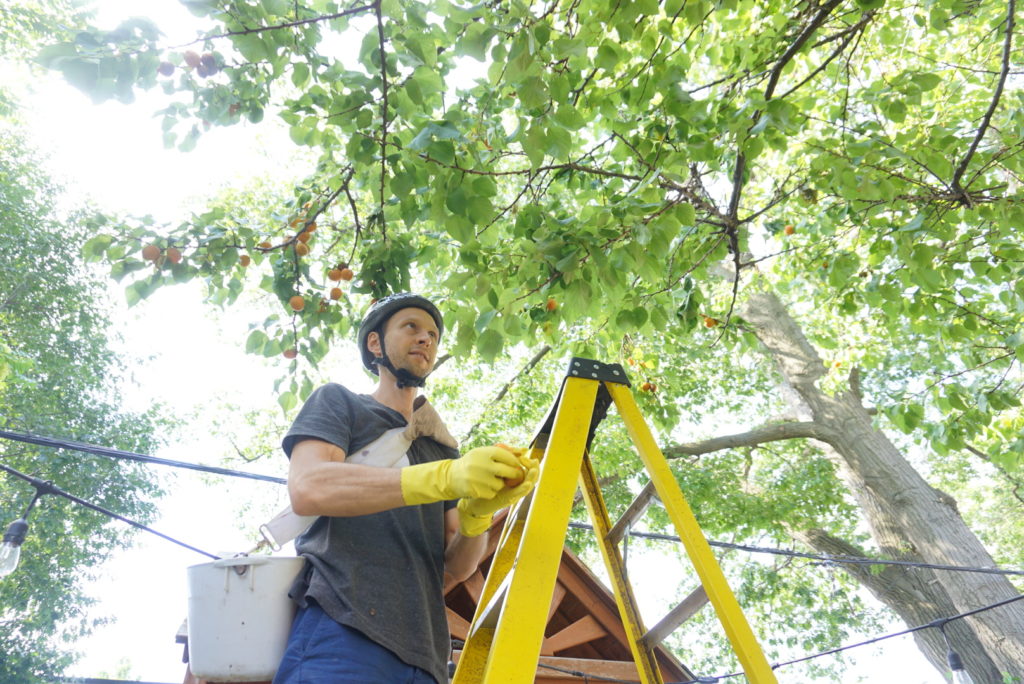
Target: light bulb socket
(16, 531)
(954, 660)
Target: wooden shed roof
(584, 632)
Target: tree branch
(383, 114)
(773, 80)
(508, 385)
(761, 435)
(986, 120)
(301, 22)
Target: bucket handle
(240, 560)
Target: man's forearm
(463, 555)
(345, 489)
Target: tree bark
(908, 518)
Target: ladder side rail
(514, 649)
(643, 656)
(737, 629)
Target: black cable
(937, 624)
(849, 560)
(43, 487)
(129, 456)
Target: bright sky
(113, 155)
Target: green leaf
(96, 247)
(927, 82)
(607, 56)
(535, 145)
(287, 401)
(256, 341)
(437, 130)
(300, 74)
(489, 345)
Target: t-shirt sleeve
(326, 416)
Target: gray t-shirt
(383, 573)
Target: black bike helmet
(378, 316)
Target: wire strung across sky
(43, 487)
(934, 624)
(129, 456)
(829, 559)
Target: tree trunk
(908, 518)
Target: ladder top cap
(596, 370)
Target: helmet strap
(403, 376)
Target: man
(371, 600)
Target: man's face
(411, 338)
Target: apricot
(174, 255)
(551, 304)
(301, 248)
(151, 252)
(192, 58)
(335, 293)
(347, 274)
(289, 353)
(244, 260)
(789, 229)
(297, 303)
(334, 274)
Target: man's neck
(390, 395)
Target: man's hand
(479, 474)
(475, 513)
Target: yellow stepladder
(505, 637)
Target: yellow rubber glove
(479, 473)
(475, 514)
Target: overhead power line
(934, 624)
(130, 456)
(43, 487)
(109, 452)
(49, 488)
(850, 560)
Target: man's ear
(373, 343)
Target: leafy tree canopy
(62, 381)
(623, 178)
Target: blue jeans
(321, 651)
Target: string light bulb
(14, 537)
(10, 550)
(956, 666)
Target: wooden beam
(556, 599)
(580, 632)
(623, 670)
(458, 626)
(475, 585)
(632, 514)
(689, 607)
(607, 617)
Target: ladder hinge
(595, 370)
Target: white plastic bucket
(239, 616)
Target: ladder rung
(689, 607)
(632, 514)
(488, 616)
